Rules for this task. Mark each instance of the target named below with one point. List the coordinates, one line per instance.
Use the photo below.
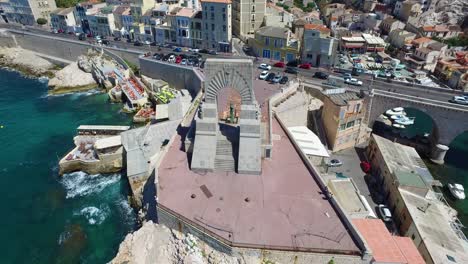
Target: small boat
(457, 190)
(398, 126)
(405, 121)
(395, 117)
(395, 111)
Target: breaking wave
(94, 215)
(80, 184)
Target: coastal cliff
(71, 79)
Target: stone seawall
(61, 48)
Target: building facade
(275, 43)
(102, 23)
(343, 120)
(63, 20)
(247, 16)
(217, 24)
(318, 48)
(26, 12)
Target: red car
(305, 66)
(365, 166)
(89, 35)
(279, 64)
(178, 59)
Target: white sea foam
(81, 184)
(75, 94)
(94, 215)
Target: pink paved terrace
(281, 208)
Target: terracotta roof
(438, 28)
(385, 247)
(318, 27)
(217, 1)
(186, 12)
(421, 40)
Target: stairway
(224, 160)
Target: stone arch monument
(237, 74)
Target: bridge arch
(228, 78)
(448, 122)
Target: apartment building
(217, 24)
(63, 20)
(102, 23)
(81, 12)
(276, 43)
(183, 23)
(318, 48)
(247, 16)
(390, 24)
(399, 37)
(343, 119)
(26, 12)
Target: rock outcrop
(154, 243)
(25, 61)
(444, 12)
(70, 79)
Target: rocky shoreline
(71, 79)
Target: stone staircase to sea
(224, 160)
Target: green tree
(41, 21)
(66, 3)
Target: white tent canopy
(309, 143)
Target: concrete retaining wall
(179, 77)
(108, 163)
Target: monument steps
(224, 160)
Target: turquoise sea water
(45, 218)
(455, 168)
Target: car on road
(82, 36)
(353, 81)
(264, 66)
(147, 42)
(177, 49)
(138, 43)
(279, 64)
(460, 100)
(105, 42)
(213, 52)
(284, 80)
(305, 66)
(194, 50)
(334, 163)
(117, 39)
(291, 70)
(204, 51)
(277, 78)
(321, 75)
(263, 75)
(270, 77)
(384, 212)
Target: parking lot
(366, 184)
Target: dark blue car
(177, 49)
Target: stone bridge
(449, 120)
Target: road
(439, 95)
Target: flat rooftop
(282, 208)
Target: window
(266, 53)
(253, 18)
(224, 9)
(212, 8)
(212, 27)
(206, 26)
(212, 16)
(358, 108)
(253, 9)
(224, 28)
(342, 114)
(224, 17)
(350, 124)
(342, 127)
(267, 41)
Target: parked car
(264, 66)
(277, 78)
(270, 77)
(138, 43)
(263, 75)
(177, 49)
(178, 59)
(194, 50)
(183, 62)
(82, 36)
(117, 39)
(172, 58)
(213, 52)
(105, 42)
(305, 66)
(97, 37)
(156, 56)
(334, 163)
(321, 75)
(284, 80)
(347, 76)
(291, 70)
(384, 212)
(460, 100)
(279, 64)
(293, 63)
(203, 51)
(353, 81)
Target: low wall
(109, 163)
(179, 77)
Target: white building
(102, 23)
(26, 12)
(63, 20)
(318, 48)
(247, 16)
